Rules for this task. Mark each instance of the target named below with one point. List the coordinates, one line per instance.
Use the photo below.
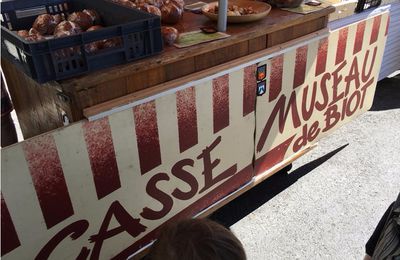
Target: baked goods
(23, 33)
(45, 24)
(34, 38)
(94, 46)
(94, 28)
(58, 18)
(234, 10)
(126, 3)
(111, 43)
(82, 19)
(33, 31)
(56, 26)
(179, 3)
(66, 28)
(156, 3)
(169, 34)
(94, 15)
(171, 12)
(150, 9)
(29, 36)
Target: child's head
(196, 239)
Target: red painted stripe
(341, 47)
(221, 102)
(147, 136)
(48, 179)
(236, 181)
(9, 237)
(358, 41)
(375, 29)
(249, 89)
(387, 26)
(187, 118)
(272, 157)
(300, 66)
(322, 56)
(275, 85)
(102, 156)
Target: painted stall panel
(314, 88)
(100, 189)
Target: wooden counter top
(276, 20)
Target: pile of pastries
(234, 10)
(170, 11)
(47, 26)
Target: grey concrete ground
(330, 202)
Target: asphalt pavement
(329, 203)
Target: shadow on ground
(257, 196)
(387, 95)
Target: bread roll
(23, 33)
(33, 31)
(34, 38)
(169, 34)
(179, 3)
(171, 12)
(111, 43)
(151, 9)
(82, 19)
(156, 3)
(66, 28)
(44, 24)
(58, 18)
(126, 3)
(94, 15)
(94, 46)
(94, 28)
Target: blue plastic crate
(62, 58)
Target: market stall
(41, 109)
(177, 134)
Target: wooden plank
(87, 97)
(258, 44)
(295, 31)
(220, 56)
(106, 106)
(111, 89)
(136, 82)
(155, 76)
(142, 80)
(179, 69)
